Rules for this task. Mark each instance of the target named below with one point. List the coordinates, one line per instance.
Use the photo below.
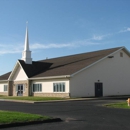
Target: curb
(78, 99)
(49, 101)
(67, 100)
(29, 123)
(21, 101)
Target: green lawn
(7, 117)
(118, 105)
(31, 98)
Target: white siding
(19, 74)
(114, 73)
(2, 86)
(47, 85)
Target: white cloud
(18, 48)
(128, 29)
(98, 37)
(125, 30)
(73, 44)
(10, 48)
(48, 46)
(101, 37)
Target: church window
(58, 87)
(37, 88)
(5, 88)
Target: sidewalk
(47, 101)
(74, 99)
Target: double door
(20, 90)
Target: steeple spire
(26, 56)
(26, 47)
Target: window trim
(5, 86)
(59, 87)
(38, 88)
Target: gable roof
(66, 65)
(5, 76)
(14, 71)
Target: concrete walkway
(66, 100)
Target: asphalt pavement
(76, 115)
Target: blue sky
(61, 27)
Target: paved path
(76, 115)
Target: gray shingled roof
(5, 76)
(66, 65)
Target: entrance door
(20, 90)
(98, 89)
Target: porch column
(10, 88)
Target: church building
(91, 74)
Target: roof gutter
(3, 80)
(51, 77)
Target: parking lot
(76, 115)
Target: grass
(123, 105)
(31, 98)
(7, 117)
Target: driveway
(76, 115)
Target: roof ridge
(79, 54)
(65, 65)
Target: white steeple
(26, 56)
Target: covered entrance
(20, 90)
(98, 89)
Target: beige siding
(47, 87)
(19, 75)
(114, 73)
(2, 88)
